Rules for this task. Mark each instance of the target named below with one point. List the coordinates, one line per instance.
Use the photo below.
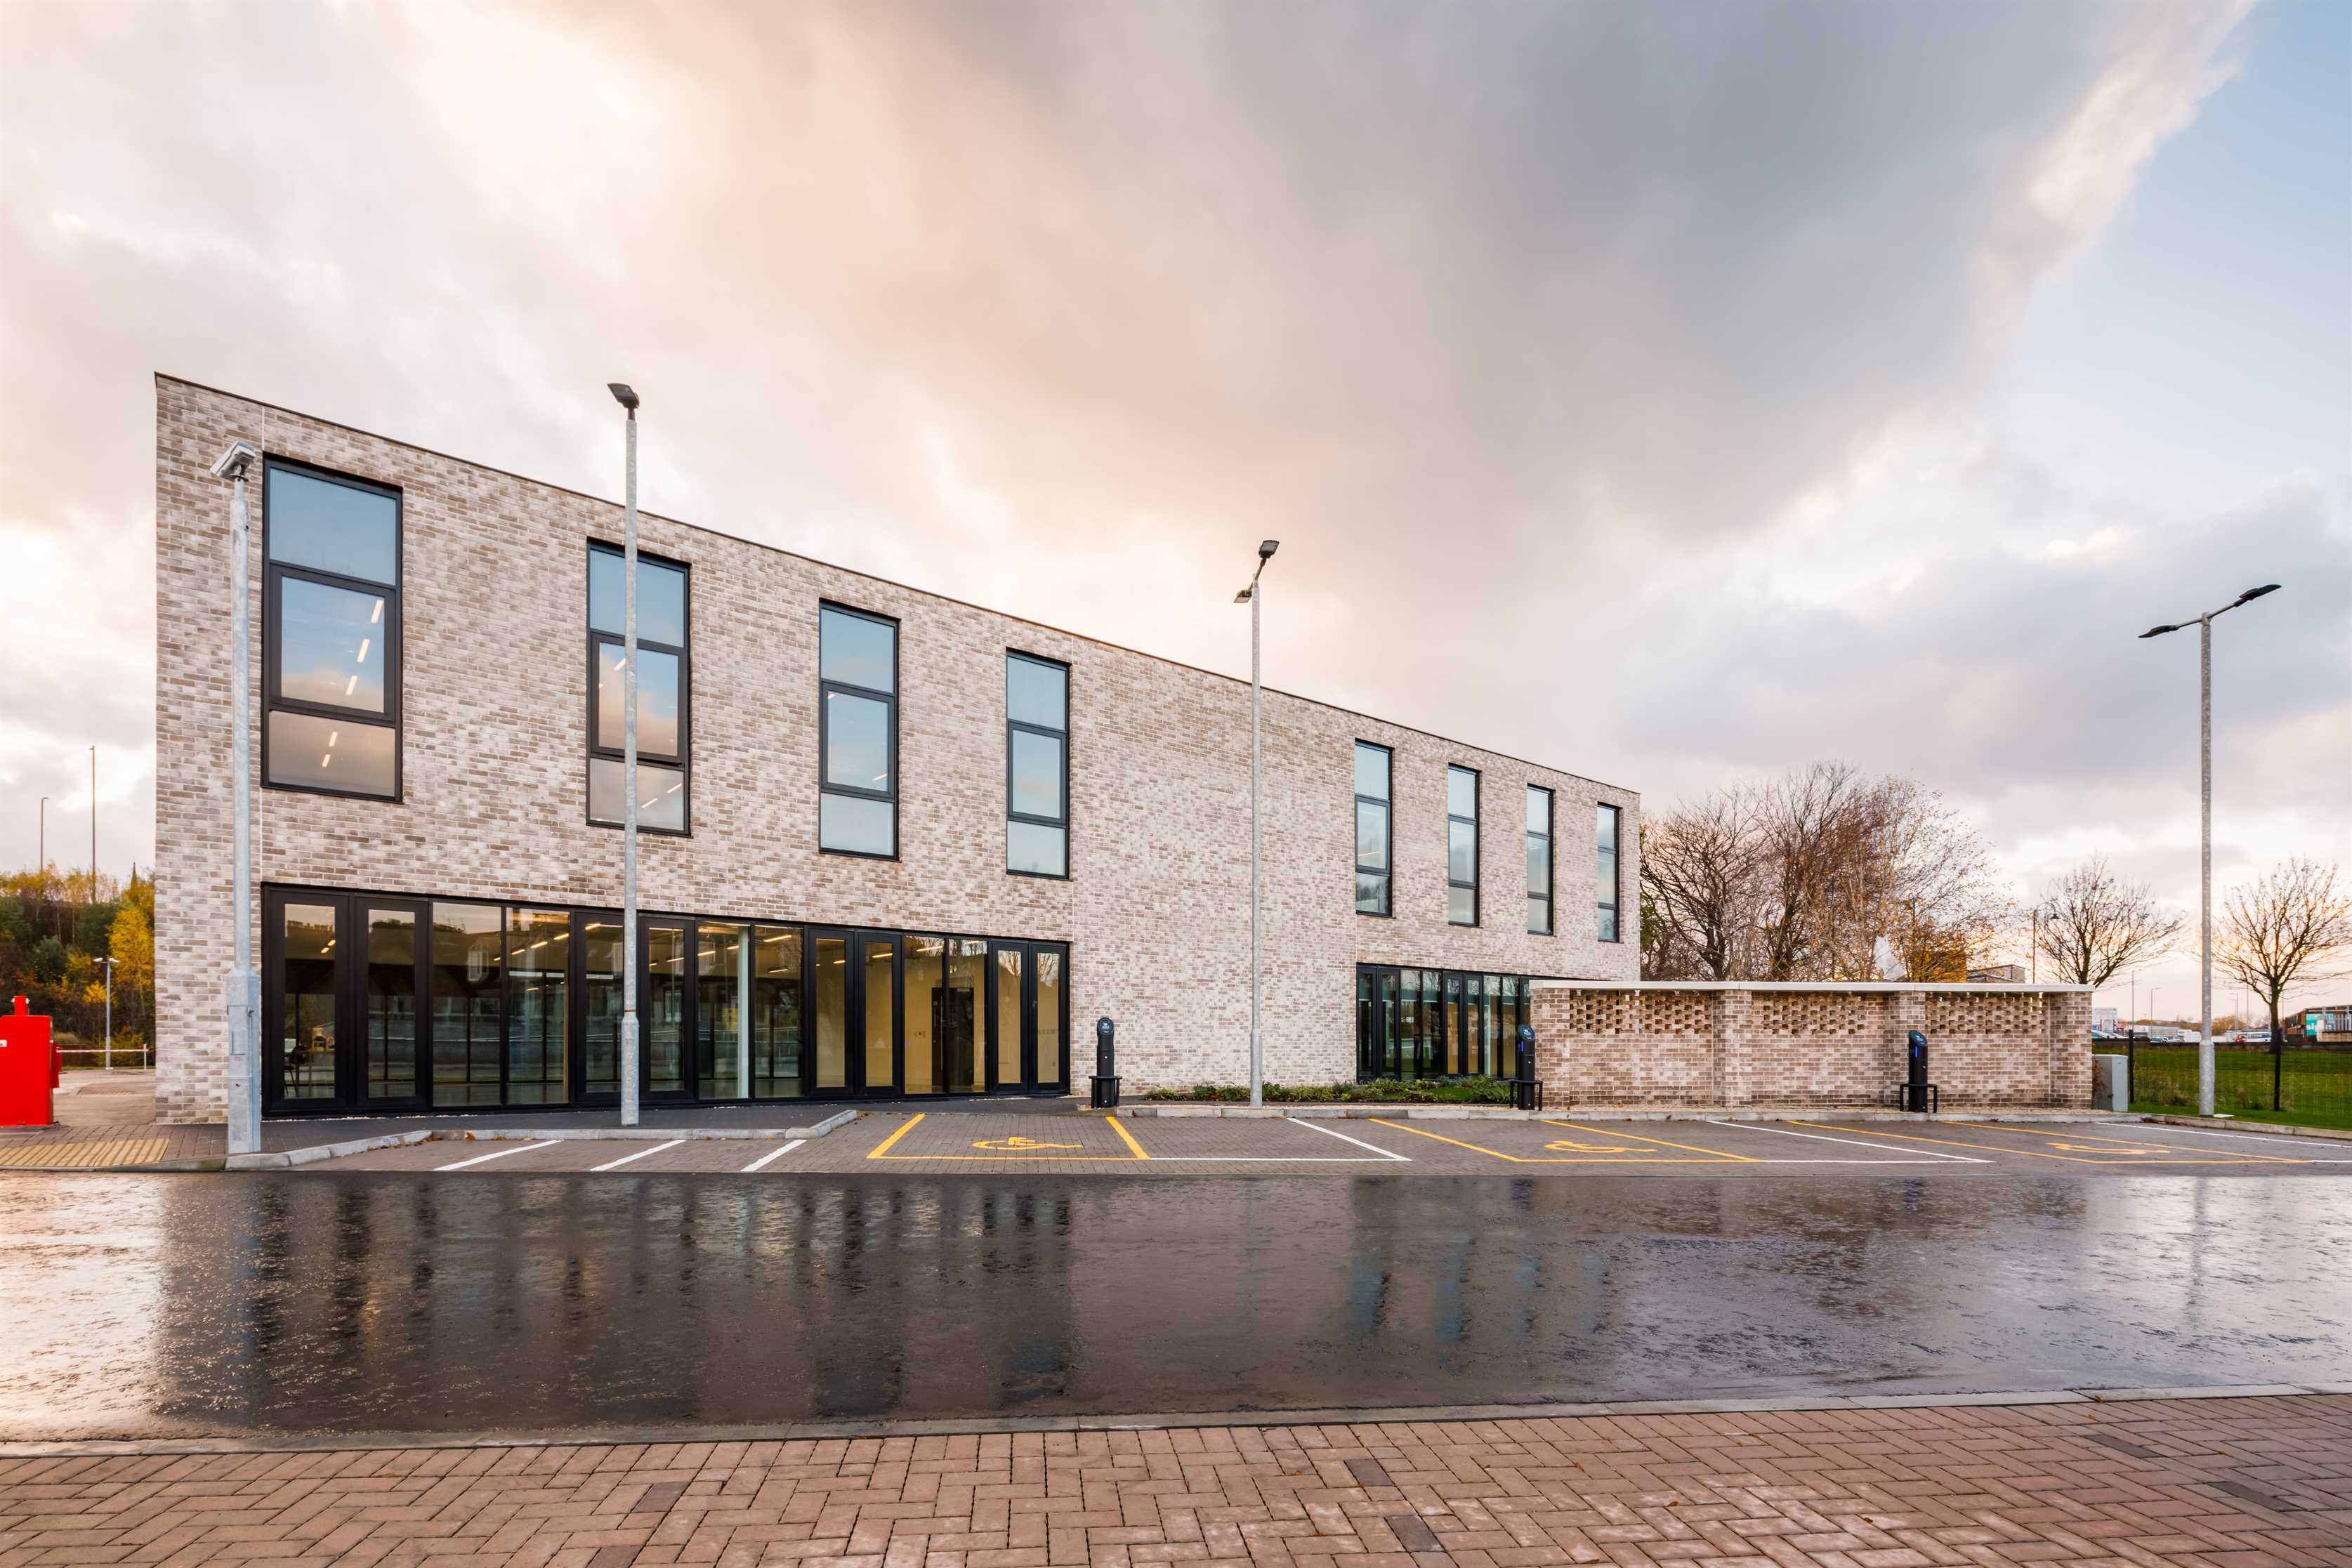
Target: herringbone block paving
(2247, 1482)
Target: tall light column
(1250, 596)
(2205, 832)
(628, 400)
(242, 991)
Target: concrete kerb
(2232, 1124)
(286, 1159)
(1335, 1415)
(1311, 1111)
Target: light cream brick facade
(493, 677)
(1817, 1047)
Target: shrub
(1379, 1091)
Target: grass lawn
(2314, 1087)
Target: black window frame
(1062, 735)
(1387, 873)
(274, 572)
(596, 639)
(1477, 846)
(1552, 864)
(1614, 905)
(824, 729)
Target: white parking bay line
(498, 1154)
(2280, 1141)
(1312, 1127)
(641, 1153)
(1857, 1143)
(771, 1155)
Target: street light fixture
(2204, 624)
(627, 399)
(242, 991)
(1253, 596)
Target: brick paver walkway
(2245, 1481)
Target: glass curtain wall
(457, 1004)
(1429, 1023)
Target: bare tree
(1698, 866)
(2094, 926)
(1811, 826)
(2289, 926)
(1816, 876)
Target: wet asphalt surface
(404, 1302)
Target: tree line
(1831, 873)
(55, 928)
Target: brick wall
(494, 673)
(1763, 1045)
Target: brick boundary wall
(1686, 1044)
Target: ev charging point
(1105, 1077)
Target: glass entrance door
(343, 985)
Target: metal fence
(80, 1058)
(2306, 1081)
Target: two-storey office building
(893, 844)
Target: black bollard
(1106, 1084)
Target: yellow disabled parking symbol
(1017, 1142)
(2117, 1148)
(1571, 1146)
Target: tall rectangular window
(331, 634)
(1605, 834)
(858, 746)
(1372, 849)
(1538, 861)
(664, 691)
(1462, 846)
(1036, 766)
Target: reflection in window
(1372, 849)
(926, 1015)
(1605, 833)
(307, 1031)
(1049, 1016)
(1008, 1016)
(600, 1047)
(881, 958)
(538, 1011)
(832, 1012)
(776, 1013)
(665, 686)
(1538, 861)
(1461, 846)
(391, 1022)
(1036, 766)
(330, 624)
(662, 1027)
(469, 959)
(857, 747)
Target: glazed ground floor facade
(389, 1002)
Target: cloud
(1566, 348)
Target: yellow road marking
(1693, 1148)
(1018, 1145)
(2139, 1145)
(2036, 1154)
(884, 1146)
(1127, 1138)
(1521, 1160)
(1571, 1146)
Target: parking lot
(1098, 1144)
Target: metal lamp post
(627, 399)
(2204, 624)
(110, 1012)
(1253, 596)
(242, 991)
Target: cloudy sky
(1676, 392)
